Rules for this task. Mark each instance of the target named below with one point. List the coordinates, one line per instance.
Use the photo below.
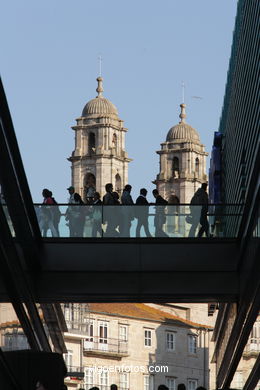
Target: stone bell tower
(182, 161)
(99, 156)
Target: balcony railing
(75, 373)
(172, 221)
(103, 345)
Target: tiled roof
(141, 311)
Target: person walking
(109, 216)
(47, 214)
(199, 209)
(160, 217)
(96, 215)
(75, 213)
(127, 211)
(142, 213)
(204, 211)
(56, 215)
(173, 210)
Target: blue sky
(49, 65)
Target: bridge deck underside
(191, 270)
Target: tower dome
(99, 105)
(182, 131)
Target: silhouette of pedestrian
(174, 202)
(163, 387)
(142, 212)
(96, 215)
(160, 217)
(47, 214)
(204, 211)
(109, 212)
(127, 211)
(56, 215)
(199, 210)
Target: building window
(197, 165)
(89, 331)
(68, 358)
(175, 167)
(102, 332)
(148, 382)
(147, 337)
(171, 382)
(123, 333)
(103, 380)
(124, 380)
(192, 384)
(67, 313)
(192, 343)
(170, 341)
(14, 341)
(91, 143)
(89, 377)
(118, 183)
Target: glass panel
(6, 212)
(176, 221)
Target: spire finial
(100, 87)
(183, 113)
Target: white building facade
(136, 347)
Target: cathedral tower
(182, 161)
(99, 156)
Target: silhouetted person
(127, 212)
(47, 214)
(163, 387)
(160, 217)
(181, 386)
(142, 212)
(75, 214)
(117, 214)
(198, 210)
(72, 193)
(201, 388)
(56, 215)
(97, 215)
(109, 212)
(204, 211)
(108, 199)
(113, 387)
(69, 211)
(174, 202)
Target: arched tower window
(118, 183)
(114, 141)
(175, 167)
(197, 165)
(89, 186)
(91, 143)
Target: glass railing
(175, 221)
(8, 219)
